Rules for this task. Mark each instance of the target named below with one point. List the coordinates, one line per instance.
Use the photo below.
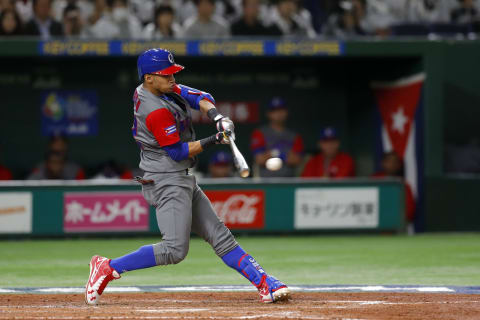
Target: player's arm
(294, 157)
(194, 96)
(205, 102)
(162, 125)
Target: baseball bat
(238, 158)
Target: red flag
(397, 105)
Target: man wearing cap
(163, 130)
(330, 162)
(221, 165)
(276, 141)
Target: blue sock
(244, 263)
(140, 259)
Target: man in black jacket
(42, 24)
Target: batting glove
(225, 124)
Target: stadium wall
(335, 76)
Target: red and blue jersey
(162, 121)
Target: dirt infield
(242, 305)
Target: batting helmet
(157, 61)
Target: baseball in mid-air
(274, 164)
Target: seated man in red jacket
(330, 162)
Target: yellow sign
(231, 48)
(135, 48)
(307, 48)
(74, 48)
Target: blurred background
(355, 115)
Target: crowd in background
(177, 19)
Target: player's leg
(173, 207)
(206, 224)
(173, 204)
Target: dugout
(323, 82)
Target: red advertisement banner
(105, 211)
(239, 209)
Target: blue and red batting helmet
(157, 61)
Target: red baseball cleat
(100, 275)
(272, 290)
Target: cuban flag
(171, 129)
(400, 128)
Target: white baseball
(274, 164)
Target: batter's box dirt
(242, 305)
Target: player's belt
(143, 181)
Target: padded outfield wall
(325, 81)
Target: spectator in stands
(466, 11)
(205, 24)
(54, 168)
(112, 170)
(330, 162)
(85, 8)
(144, 9)
(163, 26)
(392, 166)
(291, 19)
(250, 25)
(220, 165)
(429, 11)
(42, 24)
(276, 141)
(72, 22)
(99, 9)
(57, 147)
(25, 10)
(7, 4)
(348, 20)
(117, 22)
(10, 23)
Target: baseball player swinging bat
(162, 127)
(238, 158)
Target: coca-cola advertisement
(239, 209)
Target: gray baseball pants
(182, 207)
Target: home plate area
(310, 302)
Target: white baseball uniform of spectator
(205, 24)
(465, 11)
(185, 9)
(163, 25)
(290, 19)
(117, 22)
(24, 10)
(429, 11)
(86, 8)
(381, 14)
(144, 10)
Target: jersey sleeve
(193, 96)
(257, 142)
(298, 144)
(162, 125)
